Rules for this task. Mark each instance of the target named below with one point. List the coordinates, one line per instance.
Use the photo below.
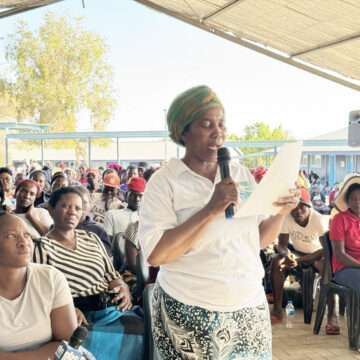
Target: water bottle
(290, 314)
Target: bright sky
(155, 57)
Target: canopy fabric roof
(319, 36)
(12, 7)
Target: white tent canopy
(319, 36)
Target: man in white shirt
(117, 221)
(305, 228)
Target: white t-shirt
(306, 239)
(40, 214)
(25, 321)
(222, 271)
(97, 207)
(116, 221)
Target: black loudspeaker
(354, 128)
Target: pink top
(345, 226)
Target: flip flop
(332, 329)
(275, 320)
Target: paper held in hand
(276, 183)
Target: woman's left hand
(123, 297)
(288, 203)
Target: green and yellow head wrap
(187, 107)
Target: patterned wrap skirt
(184, 332)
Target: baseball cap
(305, 197)
(136, 184)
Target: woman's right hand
(81, 319)
(225, 193)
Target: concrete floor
(299, 343)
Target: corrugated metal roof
(319, 36)
(341, 134)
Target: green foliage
(260, 132)
(60, 70)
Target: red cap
(305, 197)
(136, 184)
(92, 170)
(111, 180)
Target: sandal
(332, 329)
(275, 320)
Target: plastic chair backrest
(142, 273)
(327, 271)
(141, 268)
(118, 250)
(149, 347)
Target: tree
(60, 70)
(257, 132)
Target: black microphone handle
(224, 169)
(225, 172)
(230, 211)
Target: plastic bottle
(290, 315)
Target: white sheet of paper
(280, 177)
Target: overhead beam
(219, 11)
(24, 126)
(251, 45)
(87, 135)
(264, 144)
(325, 45)
(161, 134)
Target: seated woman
(37, 220)
(40, 177)
(345, 235)
(5, 204)
(7, 181)
(36, 307)
(326, 189)
(58, 181)
(320, 206)
(88, 224)
(81, 256)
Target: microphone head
(78, 337)
(223, 154)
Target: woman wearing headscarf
(41, 178)
(208, 301)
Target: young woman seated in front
(36, 306)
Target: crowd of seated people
(71, 222)
(57, 239)
(300, 241)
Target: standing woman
(208, 302)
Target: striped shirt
(87, 269)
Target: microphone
(223, 157)
(78, 337)
(71, 350)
